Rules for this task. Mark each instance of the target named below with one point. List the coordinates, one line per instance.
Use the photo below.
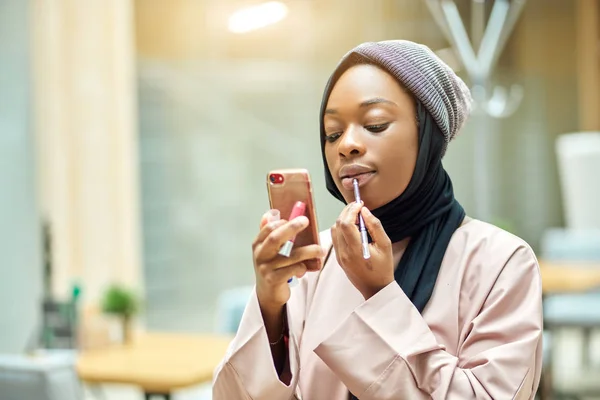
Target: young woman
(446, 307)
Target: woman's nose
(350, 143)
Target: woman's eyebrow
(366, 103)
(377, 100)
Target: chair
(580, 310)
(46, 376)
(230, 308)
(59, 325)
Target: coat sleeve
(500, 357)
(247, 371)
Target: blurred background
(135, 138)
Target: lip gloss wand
(361, 224)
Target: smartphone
(286, 187)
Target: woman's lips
(362, 180)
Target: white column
(85, 123)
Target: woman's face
(371, 134)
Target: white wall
(20, 264)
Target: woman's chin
(373, 200)
(372, 205)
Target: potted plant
(123, 303)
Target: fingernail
(273, 215)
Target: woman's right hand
(273, 270)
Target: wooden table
(569, 277)
(158, 363)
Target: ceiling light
(258, 16)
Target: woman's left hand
(371, 275)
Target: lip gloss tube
(364, 239)
(286, 249)
(297, 211)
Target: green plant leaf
(120, 300)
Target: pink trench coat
(478, 338)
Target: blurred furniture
(158, 363)
(578, 162)
(230, 308)
(564, 280)
(572, 267)
(59, 324)
(43, 376)
(571, 285)
(95, 329)
(569, 301)
(581, 245)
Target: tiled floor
(567, 372)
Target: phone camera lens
(276, 179)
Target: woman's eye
(333, 137)
(377, 128)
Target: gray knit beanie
(423, 73)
